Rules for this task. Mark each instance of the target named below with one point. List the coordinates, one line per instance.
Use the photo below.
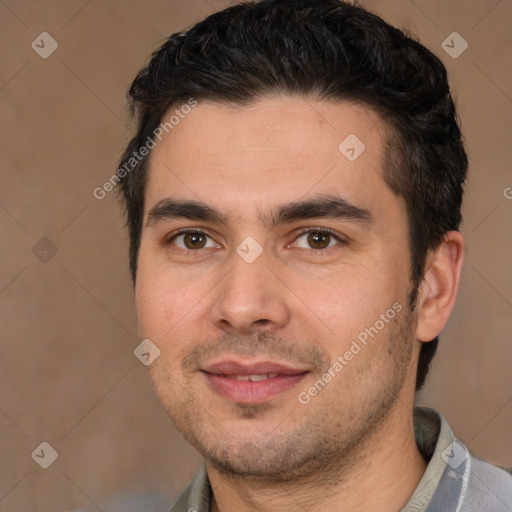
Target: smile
(253, 378)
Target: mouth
(252, 382)
(252, 378)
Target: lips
(251, 382)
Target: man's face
(294, 257)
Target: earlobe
(438, 290)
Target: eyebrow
(324, 206)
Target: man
(293, 198)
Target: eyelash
(324, 231)
(185, 231)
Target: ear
(438, 289)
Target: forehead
(271, 151)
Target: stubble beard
(323, 441)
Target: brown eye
(319, 240)
(194, 240)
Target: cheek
(159, 299)
(164, 295)
(356, 291)
(159, 310)
(152, 304)
(167, 314)
(348, 303)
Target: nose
(250, 298)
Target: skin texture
(352, 446)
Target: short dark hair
(321, 49)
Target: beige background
(67, 371)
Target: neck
(382, 476)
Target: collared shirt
(454, 480)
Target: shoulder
(489, 488)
